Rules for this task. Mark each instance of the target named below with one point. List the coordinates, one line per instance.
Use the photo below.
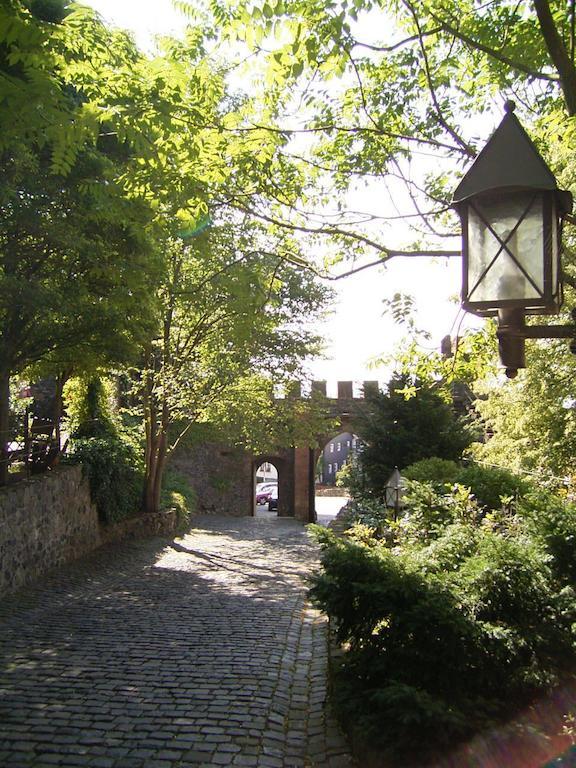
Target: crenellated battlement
(345, 390)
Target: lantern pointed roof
(395, 480)
(509, 159)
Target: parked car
(266, 484)
(263, 491)
(273, 500)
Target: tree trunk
(156, 452)
(58, 409)
(156, 408)
(4, 425)
(159, 472)
(154, 475)
(150, 433)
(149, 486)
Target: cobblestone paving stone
(162, 654)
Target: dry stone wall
(44, 522)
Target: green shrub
(370, 512)
(110, 457)
(434, 470)
(362, 533)
(454, 544)
(458, 624)
(551, 520)
(491, 484)
(509, 590)
(114, 471)
(177, 494)
(403, 666)
(351, 477)
(429, 511)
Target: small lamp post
(511, 212)
(393, 492)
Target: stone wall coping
(40, 478)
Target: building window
(331, 447)
(348, 443)
(335, 467)
(329, 469)
(338, 446)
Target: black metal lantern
(511, 212)
(394, 492)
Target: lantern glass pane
(506, 248)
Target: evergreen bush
(459, 622)
(432, 470)
(114, 471)
(551, 520)
(407, 423)
(492, 484)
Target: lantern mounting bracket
(512, 332)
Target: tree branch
(327, 128)
(441, 119)
(558, 54)
(399, 44)
(492, 52)
(388, 253)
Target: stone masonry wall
(44, 522)
(220, 476)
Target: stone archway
(224, 477)
(285, 499)
(341, 408)
(332, 453)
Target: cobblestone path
(161, 654)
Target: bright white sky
(356, 331)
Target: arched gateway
(224, 477)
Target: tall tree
(396, 431)
(228, 312)
(91, 165)
(75, 267)
(168, 165)
(378, 88)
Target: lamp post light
(393, 492)
(511, 212)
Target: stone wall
(224, 479)
(44, 522)
(49, 520)
(220, 476)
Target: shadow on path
(159, 653)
